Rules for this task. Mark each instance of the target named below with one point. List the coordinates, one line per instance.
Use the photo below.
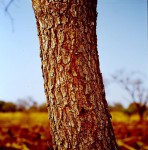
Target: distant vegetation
(22, 106)
(134, 85)
(129, 111)
(31, 106)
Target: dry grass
(122, 117)
(24, 118)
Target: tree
(134, 86)
(77, 108)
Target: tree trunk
(141, 109)
(77, 108)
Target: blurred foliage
(7, 106)
(31, 105)
(42, 108)
(132, 109)
(22, 105)
(116, 107)
(1, 104)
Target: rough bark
(77, 108)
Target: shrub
(8, 107)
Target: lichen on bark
(77, 107)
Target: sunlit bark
(77, 108)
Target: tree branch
(8, 5)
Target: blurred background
(123, 54)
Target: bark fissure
(77, 107)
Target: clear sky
(122, 44)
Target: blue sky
(122, 44)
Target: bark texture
(77, 108)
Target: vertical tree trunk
(77, 108)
